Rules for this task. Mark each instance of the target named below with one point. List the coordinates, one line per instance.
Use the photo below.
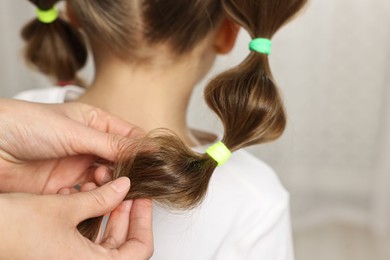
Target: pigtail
(246, 97)
(56, 48)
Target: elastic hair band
(47, 16)
(261, 45)
(219, 152)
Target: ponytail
(246, 97)
(160, 167)
(55, 48)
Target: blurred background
(333, 67)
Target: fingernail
(106, 178)
(121, 184)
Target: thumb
(98, 202)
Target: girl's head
(245, 98)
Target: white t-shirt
(245, 214)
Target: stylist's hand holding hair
(46, 147)
(35, 144)
(45, 226)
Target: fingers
(102, 175)
(117, 228)
(140, 237)
(98, 202)
(102, 121)
(141, 221)
(88, 187)
(97, 119)
(95, 131)
(104, 145)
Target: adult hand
(51, 229)
(44, 147)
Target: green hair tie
(261, 45)
(47, 16)
(219, 152)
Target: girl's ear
(72, 18)
(226, 36)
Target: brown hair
(246, 98)
(56, 49)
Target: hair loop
(47, 16)
(219, 152)
(261, 45)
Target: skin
(51, 229)
(156, 94)
(46, 147)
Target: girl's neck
(150, 97)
